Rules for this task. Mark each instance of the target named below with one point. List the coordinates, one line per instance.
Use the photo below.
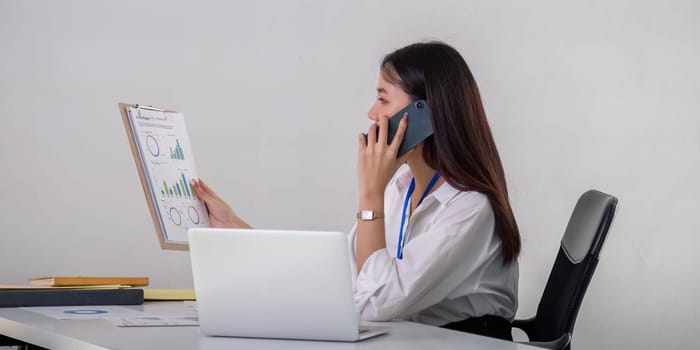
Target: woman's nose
(372, 115)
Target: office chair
(553, 325)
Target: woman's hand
(377, 160)
(220, 214)
(376, 164)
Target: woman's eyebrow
(381, 90)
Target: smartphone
(419, 128)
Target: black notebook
(70, 297)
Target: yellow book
(168, 294)
(60, 281)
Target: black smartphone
(419, 128)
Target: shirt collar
(444, 193)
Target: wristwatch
(369, 215)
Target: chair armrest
(7, 341)
(560, 343)
(527, 325)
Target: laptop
(275, 284)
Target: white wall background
(586, 94)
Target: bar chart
(177, 152)
(180, 188)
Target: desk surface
(50, 333)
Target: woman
(436, 241)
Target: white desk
(50, 333)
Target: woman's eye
(382, 101)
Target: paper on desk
(117, 315)
(155, 321)
(190, 305)
(84, 312)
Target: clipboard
(161, 149)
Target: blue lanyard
(399, 249)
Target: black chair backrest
(574, 266)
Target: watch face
(367, 215)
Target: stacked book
(74, 291)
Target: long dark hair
(462, 148)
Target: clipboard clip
(150, 108)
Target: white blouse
(452, 267)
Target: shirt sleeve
(453, 250)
